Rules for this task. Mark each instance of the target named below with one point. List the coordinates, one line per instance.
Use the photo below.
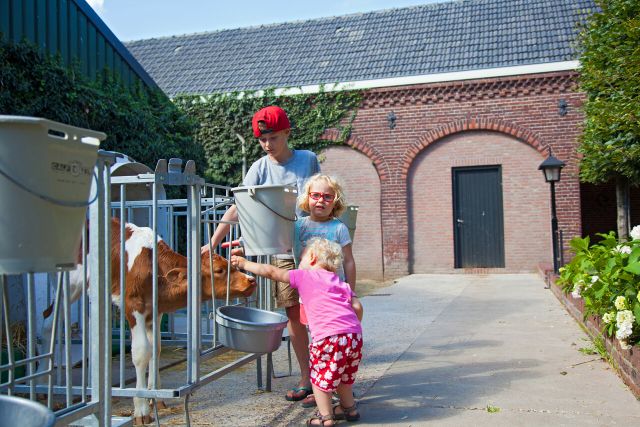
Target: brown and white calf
(172, 293)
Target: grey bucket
(250, 329)
(349, 218)
(267, 214)
(46, 169)
(16, 411)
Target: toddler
(334, 313)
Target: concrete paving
(451, 350)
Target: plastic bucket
(46, 169)
(267, 214)
(250, 329)
(349, 218)
(17, 411)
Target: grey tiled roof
(435, 38)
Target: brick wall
(362, 188)
(522, 108)
(525, 196)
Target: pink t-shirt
(327, 301)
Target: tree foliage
(147, 126)
(222, 116)
(138, 121)
(610, 77)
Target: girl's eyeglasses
(326, 196)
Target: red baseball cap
(269, 119)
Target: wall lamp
(391, 118)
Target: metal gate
(478, 217)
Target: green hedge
(147, 126)
(139, 122)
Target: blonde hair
(328, 253)
(340, 203)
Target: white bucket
(349, 218)
(46, 169)
(267, 214)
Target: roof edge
(433, 78)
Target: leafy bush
(223, 117)
(140, 122)
(607, 276)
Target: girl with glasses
(324, 200)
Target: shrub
(607, 276)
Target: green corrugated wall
(73, 29)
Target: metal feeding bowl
(22, 412)
(250, 329)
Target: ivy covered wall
(140, 122)
(144, 124)
(225, 116)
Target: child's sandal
(322, 419)
(346, 413)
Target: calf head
(240, 284)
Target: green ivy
(138, 121)
(146, 125)
(224, 116)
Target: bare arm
(264, 270)
(222, 229)
(357, 307)
(349, 265)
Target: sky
(143, 19)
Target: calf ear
(176, 275)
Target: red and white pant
(334, 360)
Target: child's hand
(237, 251)
(237, 261)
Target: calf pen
(76, 362)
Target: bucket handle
(252, 193)
(82, 204)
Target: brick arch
(468, 124)
(357, 143)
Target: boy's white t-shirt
(295, 171)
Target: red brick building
(408, 171)
(462, 101)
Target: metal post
(194, 278)
(96, 294)
(554, 227)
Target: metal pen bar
(54, 333)
(123, 195)
(67, 334)
(106, 302)
(85, 316)
(194, 279)
(31, 344)
(153, 371)
(5, 315)
(96, 292)
(3, 279)
(59, 349)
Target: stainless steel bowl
(250, 329)
(17, 411)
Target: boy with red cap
(281, 166)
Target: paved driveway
(453, 350)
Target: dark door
(477, 217)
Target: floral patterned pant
(334, 360)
